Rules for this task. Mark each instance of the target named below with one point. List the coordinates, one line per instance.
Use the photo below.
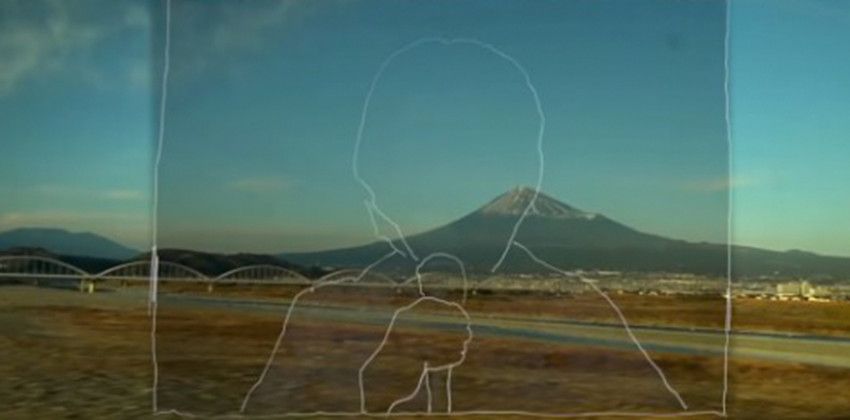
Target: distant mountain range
(63, 242)
(94, 253)
(574, 239)
(556, 232)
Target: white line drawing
(450, 257)
(289, 312)
(154, 270)
(373, 209)
(471, 413)
(727, 324)
(619, 314)
(372, 200)
(426, 370)
(423, 379)
(353, 279)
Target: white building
(800, 290)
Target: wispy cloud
(243, 27)
(39, 37)
(213, 32)
(139, 74)
(724, 183)
(66, 191)
(260, 185)
(66, 218)
(124, 194)
(137, 16)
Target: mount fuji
(570, 238)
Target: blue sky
(265, 98)
(74, 116)
(790, 92)
(261, 137)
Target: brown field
(817, 318)
(71, 355)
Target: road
(789, 348)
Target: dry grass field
(72, 355)
(816, 318)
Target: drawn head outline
(400, 243)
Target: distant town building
(792, 289)
(801, 290)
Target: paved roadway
(791, 348)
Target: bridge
(36, 268)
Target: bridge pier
(87, 285)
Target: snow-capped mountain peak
(515, 202)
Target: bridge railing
(35, 268)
